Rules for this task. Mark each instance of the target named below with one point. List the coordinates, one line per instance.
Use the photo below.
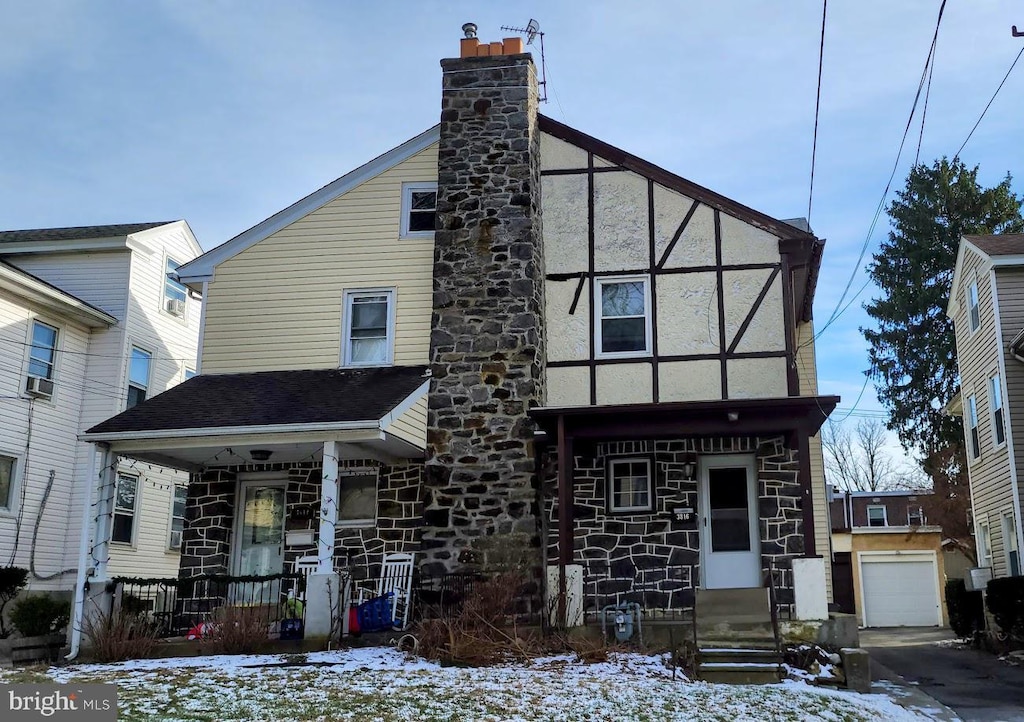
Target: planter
(24, 650)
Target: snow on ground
(383, 684)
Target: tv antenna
(532, 31)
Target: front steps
(736, 642)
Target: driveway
(975, 684)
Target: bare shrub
(483, 631)
(239, 630)
(116, 636)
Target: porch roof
(689, 418)
(289, 413)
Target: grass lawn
(382, 684)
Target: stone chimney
(486, 345)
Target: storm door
(730, 542)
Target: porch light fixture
(260, 454)
(688, 468)
(734, 416)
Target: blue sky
(223, 112)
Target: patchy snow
(956, 643)
(382, 683)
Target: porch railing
(663, 593)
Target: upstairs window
(368, 328)
(972, 427)
(138, 376)
(629, 485)
(972, 306)
(876, 516)
(995, 395)
(623, 318)
(43, 354)
(178, 516)
(174, 293)
(419, 210)
(126, 499)
(915, 516)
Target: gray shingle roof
(76, 233)
(271, 398)
(1003, 244)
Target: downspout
(83, 553)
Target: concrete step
(740, 673)
(732, 603)
(714, 655)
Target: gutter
(367, 425)
(1015, 347)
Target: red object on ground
(353, 621)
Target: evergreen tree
(913, 350)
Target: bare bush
(239, 630)
(120, 635)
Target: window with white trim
(995, 398)
(972, 306)
(369, 328)
(974, 439)
(175, 294)
(189, 373)
(877, 516)
(623, 318)
(915, 516)
(8, 464)
(42, 355)
(984, 543)
(139, 366)
(630, 487)
(126, 502)
(178, 498)
(357, 499)
(419, 210)
(1010, 545)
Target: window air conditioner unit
(175, 307)
(36, 386)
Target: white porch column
(104, 513)
(809, 588)
(328, 509)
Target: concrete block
(809, 588)
(857, 667)
(839, 630)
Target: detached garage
(900, 589)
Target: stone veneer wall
(487, 341)
(653, 560)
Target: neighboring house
(91, 325)
(889, 564)
(591, 363)
(986, 304)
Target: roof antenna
(531, 31)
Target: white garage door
(900, 591)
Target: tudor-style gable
(701, 286)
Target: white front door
(730, 542)
(260, 527)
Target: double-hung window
(876, 516)
(630, 487)
(357, 499)
(175, 294)
(368, 328)
(7, 466)
(984, 544)
(915, 516)
(623, 321)
(995, 396)
(178, 515)
(1010, 545)
(139, 366)
(972, 306)
(419, 209)
(42, 356)
(972, 427)
(126, 500)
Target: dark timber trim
(654, 291)
(753, 310)
(679, 231)
(590, 272)
(792, 373)
(663, 271)
(665, 359)
(576, 296)
(722, 352)
(670, 180)
(582, 171)
(807, 497)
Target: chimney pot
(496, 48)
(469, 29)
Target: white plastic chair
(395, 576)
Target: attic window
(419, 210)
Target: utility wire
(989, 105)
(927, 94)
(817, 107)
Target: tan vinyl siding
(1010, 284)
(278, 305)
(808, 372)
(412, 425)
(978, 358)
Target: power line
(989, 104)
(927, 94)
(817, 107)
(89, 354)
